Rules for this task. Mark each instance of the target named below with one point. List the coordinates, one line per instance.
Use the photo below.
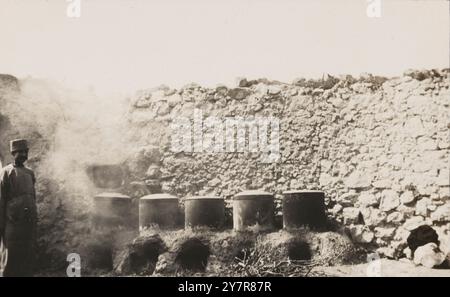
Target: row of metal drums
(250, 208)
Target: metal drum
(204, 211)
(304, 208)
(160, 210)
(252, 208)
(111, 210)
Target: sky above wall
(124, 45)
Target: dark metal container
(252, 208)
(160, 210)
(303, 208)
(204, 211)
(111, 210)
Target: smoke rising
(68, 130)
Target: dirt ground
(387, 268)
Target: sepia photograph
(224, 146)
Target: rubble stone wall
(378, 147)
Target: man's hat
(18, 144)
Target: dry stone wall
(378, 147)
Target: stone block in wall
(347, 199)
(351, 215)
(422, 207)
(389, 200)
(443, 144)
(274, 90)
(163, 109)
(425, 143)
(373, 216)
(413, 127)
(395, 217)
(383, 184)
(442, 213)
(384, 232)
(367, 199)
(401, 234)
(238, 93)
(174, 99)
(402, 144)
(414, 222)
(443, 179)
(407, 210)
(361, 234)
(396, 161)
(336, 209)
(407, 197)
(444, 193)
(426, 190)
(417, 104)
(445, 244)
(430, 160)
(327, 180)
(358, 180)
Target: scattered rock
(407, 252)
(429, 255)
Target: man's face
(20, 156)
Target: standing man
(18, 211)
